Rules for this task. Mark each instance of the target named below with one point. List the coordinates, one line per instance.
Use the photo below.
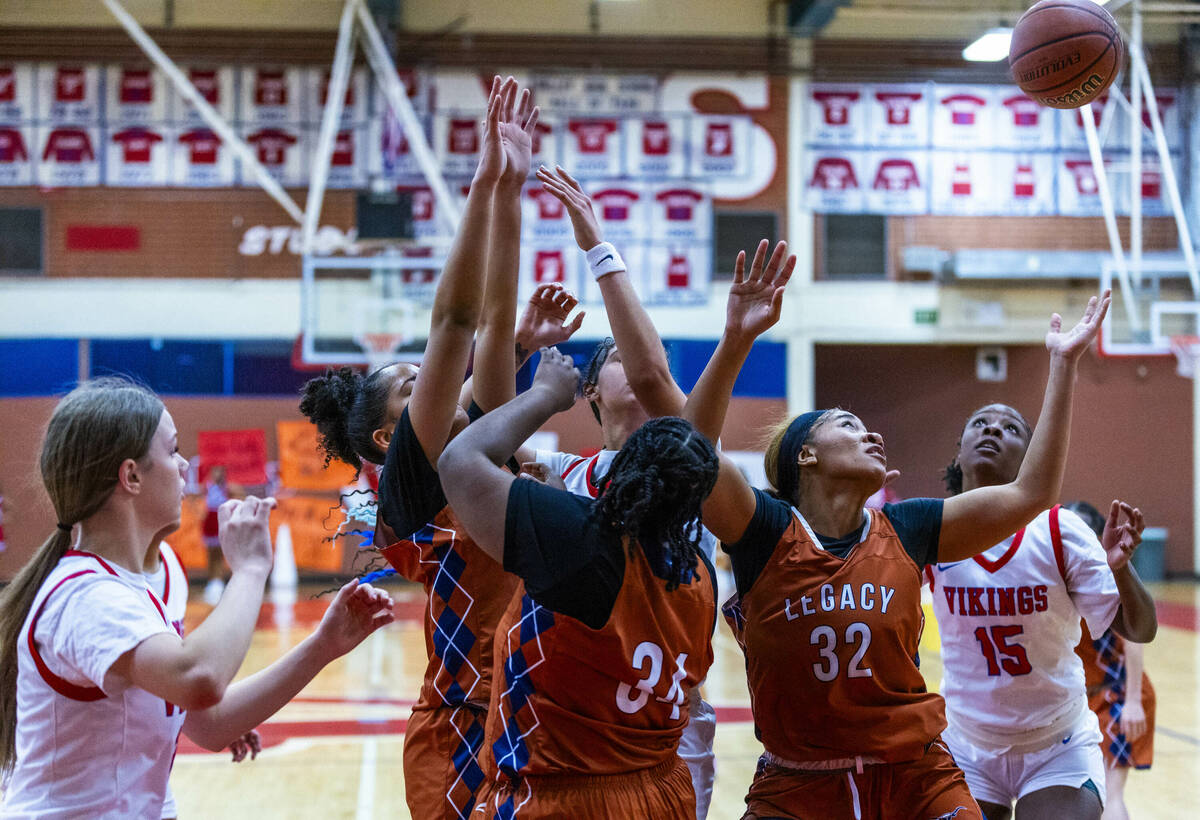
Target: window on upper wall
(854, 246)
(21, 241)
(735, 231)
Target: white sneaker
(213, 590)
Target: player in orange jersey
(831, 593)
(402, 416)
(1119, 693)
(598, 655)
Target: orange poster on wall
(313, 521)
(302, 462)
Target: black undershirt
(917, 522)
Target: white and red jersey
(170, 584)
(581, 475)
(1009, 621)
(836, 105)
(270, 88)
(137, 87)
(89, 743)
(963, 108)
(616, 204)
(203, 146)
(592, 135)
(272, 145)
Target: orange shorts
(1118, 751)
(441, 761)
(929, 788)
(663, 793)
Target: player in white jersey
(1019, 723)
(627, 382)
(164, 571)
(95, 682)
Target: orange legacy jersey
(574, 700)
(831, 648)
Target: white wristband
(604, 259)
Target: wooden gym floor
(335, 752)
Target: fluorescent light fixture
(989, 48)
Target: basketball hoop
(380, 347)
(1186, 350)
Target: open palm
(544, 322)
(756, 299)
(518, 119)
(1070, 344)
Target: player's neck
(832, 508)
(116, 536)
(617, 430)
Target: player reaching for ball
(1019, 723)
(831, 592)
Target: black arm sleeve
(410, 492)
(567, 563)
(918, 522)
(750, 555)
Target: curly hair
(347, 408)
(653, 491)
(952, 476)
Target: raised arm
(459, 296)
(495, 363)
(642, 353)
(1136, 619)
(979, 518)
(475, 484)
(755, 302)
(355, 613)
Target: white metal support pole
(1110, 216)
(1168, 174)
(335, 95)
(207, 113)
(385, 71)
(1135, 146)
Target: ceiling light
(989, 48)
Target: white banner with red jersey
(964, 149)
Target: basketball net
(380, 348)
(1186, 350)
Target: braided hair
(347, 408)
(653, 491)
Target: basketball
(1065, 53)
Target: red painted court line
(1180, 616)
(354, 700)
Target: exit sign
(925, 316)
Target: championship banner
(136, 94)
(354, 103)
(16, 92)
(313, 522)
(593, 147)
(215, 85)
(897, 115)
(302, 463)
(16, 165)
(67, 155)
(68, 92)
(962, 116)
(837, 115)
(623, 211)
(137, 156)
(272, 95)
(898, 181)
(282, 151)
(655, 147)
(243, 454)
(200, 160)
(836, 181)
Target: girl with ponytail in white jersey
(1019, 723)
(95, 682)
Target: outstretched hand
(492, 158)
(1070, 345)
(578, 204)
(558, 377)
(356, 611)
(1121, 538)
(544, 322)
(516, 127)
(755, 300)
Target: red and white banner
(720, 146)
(837, 114)
(655, 146)
(199, 159)
(897, 115)
(68, 92)
(215, 85)
(623, 211)
(680, 213)
(135, 94)
(18, 152)
(678, 274)
(272, 95)
(544, 218)
(898, 181)
(281, 150)
(138, 156)
(68, 155)
(348, 162)
(837, 180)
(592, 147)
(17, 102)
(963, 117)
(354, 103)
(963, 184)
(457, 139)
(1019, 122)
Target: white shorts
(1002, 778)
(696, 750)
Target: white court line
(366, 781)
